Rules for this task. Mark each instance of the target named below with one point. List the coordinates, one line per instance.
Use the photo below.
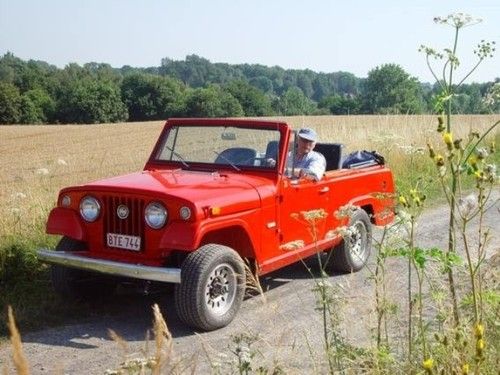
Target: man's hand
(270, 162)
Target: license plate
(123, 241)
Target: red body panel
(252, 211)
(66, 222)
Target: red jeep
(206, 200)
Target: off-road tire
(352, 253)
(75, 284)
(212, 287)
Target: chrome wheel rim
(220, 289)
(358, 242)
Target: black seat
(332, 153)
(272, 150)
(237, 156)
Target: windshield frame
(155, 162)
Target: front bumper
(67, 259)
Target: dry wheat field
(36, 161)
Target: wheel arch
(368, 208)
(376, 209)
(233, 236)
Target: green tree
(321, 87)
(389, 89)
(262, 83)
(345, 83)
(341, 105)
(91, 101)
(253, 101)
(37, 107)
(150, 97)
(294, 102)
(10, 102)
(212, 102)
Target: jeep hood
(232, 191)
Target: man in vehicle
(307, 163)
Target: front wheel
(353, 252)
(212, 287)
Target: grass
(37, 161)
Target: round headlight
(89, 208)
(185, 213)
(155, 215)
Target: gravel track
(289, 328)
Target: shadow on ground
(129, 311)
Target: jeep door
(299, 203)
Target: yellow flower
(439, 160)
(432, 153)
(403, 201)
(428, 364)
(465, 369)
(448, 138)
(479, 330)
(480, 345)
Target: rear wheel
(353, 252)
(73, 283)
(212, 287)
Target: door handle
(324, 189)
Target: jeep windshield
(223, 146)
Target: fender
(180, 236)
(65, 222)
(383, 209)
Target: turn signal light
(215, 211)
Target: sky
(324, 36)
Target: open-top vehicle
(207, 200)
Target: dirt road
(287, 327)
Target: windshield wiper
(219, 154)
(179, 156)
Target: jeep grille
(133, 225)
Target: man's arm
(315, 168)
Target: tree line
(35, 92)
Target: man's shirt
(313, 163)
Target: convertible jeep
(214, 196)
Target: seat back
(272, 150)
(332, 153)
(237, 156)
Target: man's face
(304, 146)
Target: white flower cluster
(18, 195)
(42, 171)
(135, 365)
(294, 245)
(399, 230)
(344, 231)
(482, 153)
(490, 172)
(467, 206)
(346, 211)
(410, 149)
(492, 96)
(458, 20)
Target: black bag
(362, 158)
